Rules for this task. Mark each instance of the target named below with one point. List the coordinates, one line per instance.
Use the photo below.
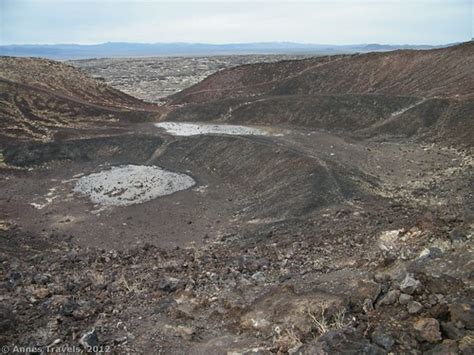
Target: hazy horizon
(233, 43)
(343, 22)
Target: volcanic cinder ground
(313, 206)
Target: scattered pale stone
(259, 276)
(425, 253)
(388, 240)
(41, 293)
(466, 344)
(187, 333)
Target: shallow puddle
(131, 184)
(193, 129)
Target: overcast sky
(226, 21)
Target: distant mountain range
(117, 49)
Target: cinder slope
(39, 97)
(264, 172)
(334, 112)
(443, 72)
(64, 80)
(418, 94)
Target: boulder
(390, 298)
(381, 337)
(427, 329)
(451, 331)
(405, 299)
(414, 307)
(410, 285)
(170, 284)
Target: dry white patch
(193, 129)
(201, 188)
(50, 197)
(131, 184)
(409, 107)
(265, 220)
(38, 206)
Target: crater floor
(131, 184)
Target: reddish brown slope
(39, 98)
(443, 72)
(421, 94)
(66, 81)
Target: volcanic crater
(246, 210)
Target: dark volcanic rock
(414, 307)
(427, 329)
(463, 314)
(68, 307)
(382, 338)
(450, 330)
(447, 347)
(342, 341)
(170, 284)
(410, 285)
(7, 319)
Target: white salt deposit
(131, 184)
(192, 129)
